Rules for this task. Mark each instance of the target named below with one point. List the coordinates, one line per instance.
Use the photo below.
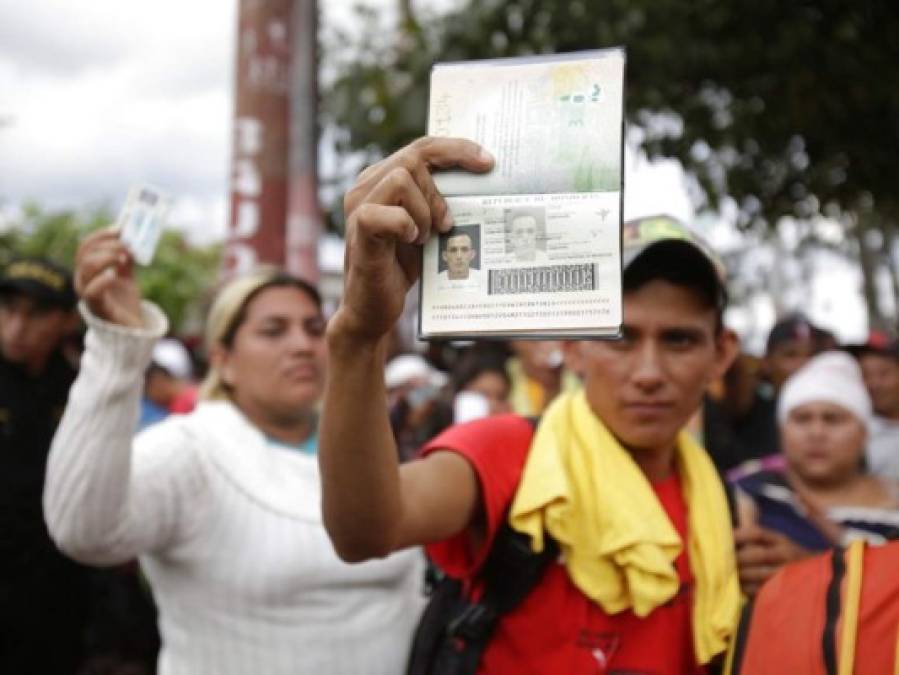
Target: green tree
(49, 234)
(789, 109)
(180, 278)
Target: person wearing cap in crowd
(823, 496)
(43, 594)
(222, 505)
(791, 343)
(879, 361)
(414, 399)
(735, 437)
(168, 383)
(635, 505)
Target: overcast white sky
(97, 95)
(100, 94)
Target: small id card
(141, 220)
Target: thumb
(125, 267)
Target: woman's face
(275, 366)
(823, 442)
(494, 388)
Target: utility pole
(304, 220)
(274, 215)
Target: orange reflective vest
(833, 614)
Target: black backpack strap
(454, 631)
(429, 642)
(513, 568)
(511, 571)
(741, 637)
(833, 608)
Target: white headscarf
(831, 377)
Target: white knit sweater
(228, 529)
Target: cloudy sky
(100, 94)
(97, 95)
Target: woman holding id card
(222, 506)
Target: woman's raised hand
(104, 278)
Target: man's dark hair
(681, 264)
(795, 327)
(458, 231)
(473, 232)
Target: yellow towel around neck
(619, 546)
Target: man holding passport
(647, 579)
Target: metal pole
(261, 134)
(304, 220)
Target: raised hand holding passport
(392, 209)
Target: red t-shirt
(185, 401)
(557, 629)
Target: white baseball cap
(407, 368)
(173, 357)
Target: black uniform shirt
(42, 593)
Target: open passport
(535, 251)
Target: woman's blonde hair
(228, 312)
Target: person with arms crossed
(641, 518)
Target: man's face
(647, 385)
(458, 256)
(881, 373)
(786, 358)
(823, 442)
(30, 331)
(524, 237)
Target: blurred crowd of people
(162, 510)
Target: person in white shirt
(222, 505)
(879, 361)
